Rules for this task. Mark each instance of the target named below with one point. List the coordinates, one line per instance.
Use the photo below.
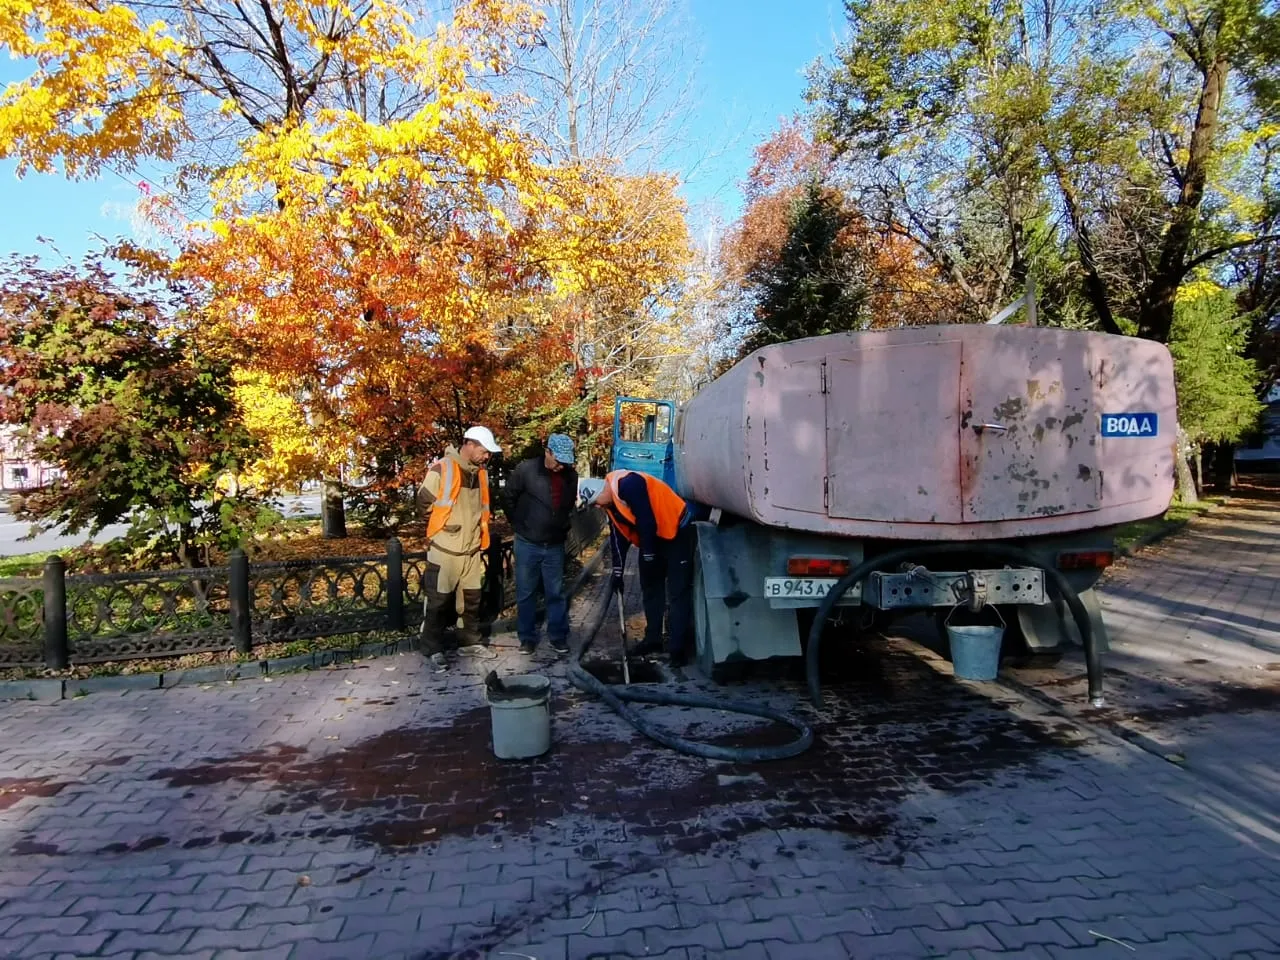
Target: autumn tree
(979, 128)
(609, 91)
(794, 175)
(366, 193)
(105, 382)
(815, 284)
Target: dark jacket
(528, 498)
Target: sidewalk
(1194, 670)
(359, 813)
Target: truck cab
(643, 434)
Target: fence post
(238, 595)
(395, 584)
(57, 655)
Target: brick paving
(1194, 669)
(358, 812)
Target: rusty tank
(937, 433)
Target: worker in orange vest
(646, 513)
(456, 490)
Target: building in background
(1261, 451)
(19, 470)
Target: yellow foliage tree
(379, 227)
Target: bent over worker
(646, 513)
(456, 490)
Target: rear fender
(733, 561)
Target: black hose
(997, 551)
(617, 697)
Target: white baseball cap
(484, 437)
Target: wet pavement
(359, 812)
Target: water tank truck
(808, 458)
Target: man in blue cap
(540, 497)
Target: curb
(1118, 731)
(1153, 538)
(74, 689)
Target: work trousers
(540, 565)
(666, 586)
(444, 575)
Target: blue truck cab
(643, 437)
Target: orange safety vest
(450, 487)
(668, 507)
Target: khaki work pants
(446, 576)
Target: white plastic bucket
(975, 650)
(521, 717)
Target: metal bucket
(975, 650)
(521, 717)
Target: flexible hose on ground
(617, 697)
(997, 551)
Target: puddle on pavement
(889, 725)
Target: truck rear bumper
(916, 588)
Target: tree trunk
(1186, 483)
(1223, 467)
(1197, 463)
(333, 514)
(1156, 317)
(1095, 288)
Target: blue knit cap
(561, 448)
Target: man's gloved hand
(617, 579)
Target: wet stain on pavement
(14, 789)
(248, 766)
(891, 726)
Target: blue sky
(754, 53)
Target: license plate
(798, 588)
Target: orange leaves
(900, 287)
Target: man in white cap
(540, 496)
(456, 491)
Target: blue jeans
(540, 566)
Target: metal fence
(62, 619)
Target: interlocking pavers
(358, 813)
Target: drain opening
(610, 671)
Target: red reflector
(1086, 560)
(816, 567)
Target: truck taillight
(817, 567)
(1086, 559)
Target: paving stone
(829, 948)
(738, 934)
(952, 824)
(35, 925)
(148, 922)
(85, 944)
(705, 935)
(1021, 936)
(227, 939)
(618, 922)
(327, 931)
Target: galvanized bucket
(975, 650)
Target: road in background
(12, 531)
